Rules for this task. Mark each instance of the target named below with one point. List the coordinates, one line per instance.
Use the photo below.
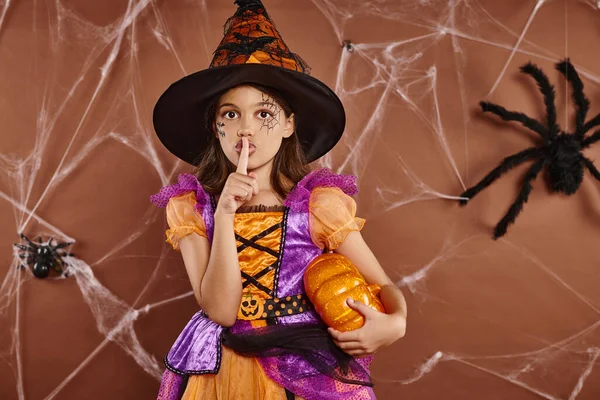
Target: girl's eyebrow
(262, 103)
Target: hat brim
(180, 113)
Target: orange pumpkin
(329, 280)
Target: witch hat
(251, 51)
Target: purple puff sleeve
(186, 183)
(299, 197)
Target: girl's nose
(245, 127)
(245, 133)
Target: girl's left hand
(379, 330)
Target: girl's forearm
(221, 286)
(394, 303)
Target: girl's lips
(250, 150)
(251, 147)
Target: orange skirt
(239, 378)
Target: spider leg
(592, 123)
(582, 103)
(56, 267)
(59, 261)
(506, 115)
(26, 261)
(507, 164)
(29, 242)
(61, 245)
(590, 140)
(547, 90)
(522, 198)
(590, 165)
(20, 246)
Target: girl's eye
(230, 114)
(264, 115)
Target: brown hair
(213, 167)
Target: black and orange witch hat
(252, 51)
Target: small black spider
(43, 256)
(560, 152)
(347, 44)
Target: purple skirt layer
(299, 377)
(197, 350)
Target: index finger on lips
(242, 166)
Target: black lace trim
(260, 208)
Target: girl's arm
(356, 250)
(380, 329)
(214, 272)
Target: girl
(253, 217)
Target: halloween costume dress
(278, 346)
(281, 340)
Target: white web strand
(116, 325)
(531, 359)
(130, 16)
(594, 354)
(538, 5)
(390, 71)
(17, 338)
(4, 4)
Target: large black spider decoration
(560, 152)
(41, 257)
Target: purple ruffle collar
(297, 199)
(185, 183)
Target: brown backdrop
(515, 318)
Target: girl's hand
(239, 187)
(379, 330)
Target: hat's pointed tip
(246, 3)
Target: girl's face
(246, 111)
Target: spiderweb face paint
(271, 122)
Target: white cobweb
(402, 73)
